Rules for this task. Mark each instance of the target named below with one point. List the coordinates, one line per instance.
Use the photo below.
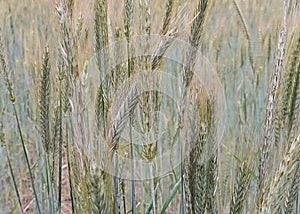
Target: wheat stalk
(12, 174)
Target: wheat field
(149, 106)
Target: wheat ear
(279, 186)
(269, 115)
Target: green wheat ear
(167, 16)
(200, 166)
(187, 74)
(290, 87)
(291, 197)
(289, 111)
(98, 201)
(279, 187)
(101, 110)
(241, 189)
(102, 57)
(81, 181)
(44, 103)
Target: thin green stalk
(26, 157)
(132, 169)
(116, 183)
(69, 172)
(182, 198)
(3, 143)
(150, 206)
(49, 185)
(152, 186)
(171, 197)
(14, 181)
(60, 145)
(124, 197)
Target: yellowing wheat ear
(268, 129)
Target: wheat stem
(3, 144)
